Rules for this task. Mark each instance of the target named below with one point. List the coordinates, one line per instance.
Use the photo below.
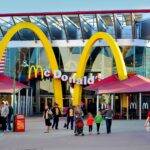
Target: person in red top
(89, 122)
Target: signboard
(38, 71)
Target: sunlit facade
(68, 34)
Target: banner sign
(38, 71)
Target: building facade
(68, 33)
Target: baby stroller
(79, 124)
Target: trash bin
(19, 123)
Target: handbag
(50, 116)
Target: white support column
(121, 105)
(97, 103)
(27, 93)
(19, 102)
(12, 100)
(31, 107)
(112, 101)
(140, 108)
(37, 96)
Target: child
(98, 121)
(90, 121)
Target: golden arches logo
(48, 49)
(121, 69)
(120, 64)
(35, 70)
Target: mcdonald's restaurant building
(68, 34)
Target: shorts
(48, 122)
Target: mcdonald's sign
(133, 105)
(120, 65)
(145, 106)
(35, 70)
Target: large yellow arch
(48, 49)
(120, 64)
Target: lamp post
(24, 64)
(14, 87)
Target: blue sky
(14, 6)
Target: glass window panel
(1, 35)
(140, 60)
(6, 23)
(100, 60)
(70, 57)
(40, 23)
(147, 61)
(89, 25)
(108, 19)
(101, 25)
(24, 34)
(142, 22)
(72, 29)
(56, 26)
(128, 55)
(76, 23)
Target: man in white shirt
(4, 114)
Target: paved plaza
(126, 135)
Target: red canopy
(111, 84)
(6, 84)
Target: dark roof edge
(76, 12)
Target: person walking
(9, 117)
(70, 117)
(108, 117)
(56, 114)
(90, 121)
(98, 121)
(147, 122)
(83, 108)
(47, 116)
(4, 114)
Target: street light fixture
(24, 64)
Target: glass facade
(81, 26)
(77, 28)
(100, 61)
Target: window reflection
(139, 60)
(128, 54)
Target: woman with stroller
(79, 124)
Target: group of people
(6, 112)
(51, 114)
(74, 118)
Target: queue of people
(6, 113)
(75, 119)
